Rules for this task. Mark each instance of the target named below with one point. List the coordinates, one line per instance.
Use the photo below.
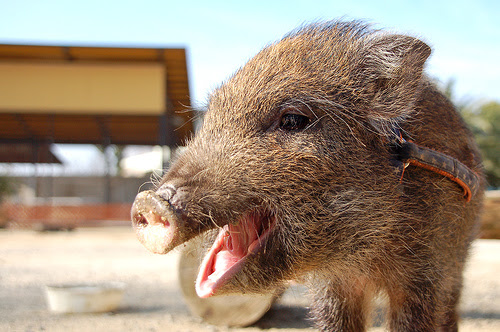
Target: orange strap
(466, 188)
(409, 153)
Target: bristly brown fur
(345, 223)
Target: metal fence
(69, 202)
(55, 217)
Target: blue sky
(221, 35)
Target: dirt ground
(153, 300)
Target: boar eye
(291, 121)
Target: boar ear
(393, 75)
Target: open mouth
(233, 245)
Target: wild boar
(329, 158)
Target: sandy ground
(153, 300)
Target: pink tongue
(223, 261)
(234, 247)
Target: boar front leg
(414, 307)
(340, 307)
(450, 304)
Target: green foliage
(484, 121)
(114, 164)
(7, 187)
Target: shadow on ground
(284, 316)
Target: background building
(102, 99)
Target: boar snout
(159, 224)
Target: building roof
(170, 127)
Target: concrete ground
(153, 300)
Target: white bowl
(84, 298)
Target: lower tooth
(252, 246)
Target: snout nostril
(141, 220)
(150, 210)
(150, 219)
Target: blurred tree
(114, 163)
(7, 187)
(484, 121)
(118, 152)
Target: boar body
(293, 166)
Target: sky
(220, 36)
